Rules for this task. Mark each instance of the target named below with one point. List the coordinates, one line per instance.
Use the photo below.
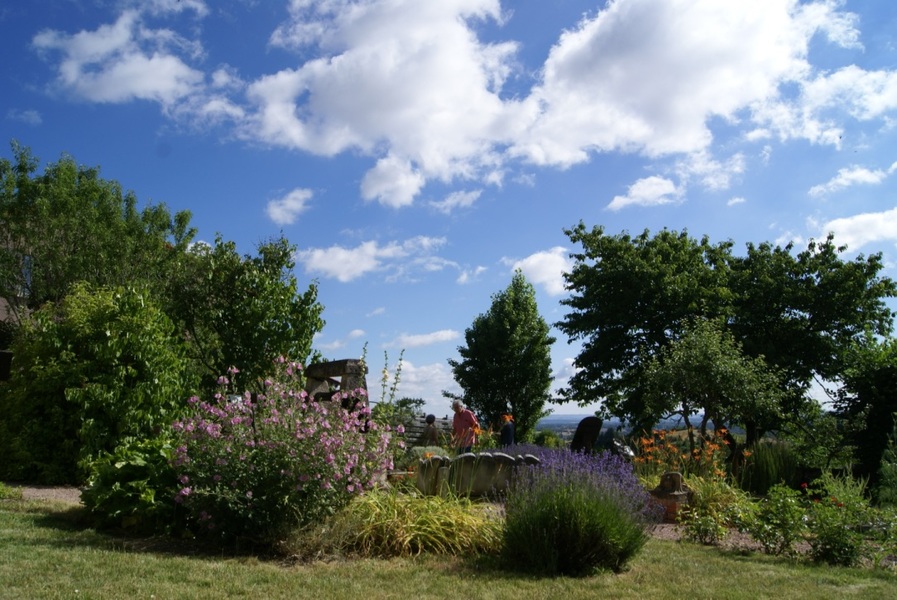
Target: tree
(705, 372)
(867, 401)
(505, 368)
(631, 297)
(69, 225)
(242, 311)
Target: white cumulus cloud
(650, 191)
(546, 269)
(347, 264)
(866, 228)
(285, 210)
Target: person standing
(464, 428)
(506, 433)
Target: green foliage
(98, 370)
(69, 224)
(867, 401)
(703, 526)
(547, 438)
(768, 463)
(572, 529)
(632, 296)
(835, 518)
(505, 368)
(705, 372)
(713, 508)
(886, 490)
(242, 311)
(386, 523)
(778, 522)
(134, 487)
(9, 492)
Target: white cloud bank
(862, 229)
(412, 85)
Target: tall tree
(633, 296)
(69, 224)
(505, 368)
(868, 401)
(242, 311)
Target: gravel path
(65, 493)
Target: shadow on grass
(76, 528)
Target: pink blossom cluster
(248, 463)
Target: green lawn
(47, 552)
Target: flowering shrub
(259, 465)
(575, 513)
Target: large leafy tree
(242, 311)
(632, 296)
(68, 224)
(505, 368)
(868, 401)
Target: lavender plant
(259, 465)
(575, 513)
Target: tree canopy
(68, 224)
(505, 368)
(633, 296)
(242, 311)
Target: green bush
(571, 530)
(100, 369)
(134, 487)
(886, 490)
(547, 438)
(715, 506)
(9, 493)
(778, 522)
(835, 517)
(575, 514)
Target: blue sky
(418, 151)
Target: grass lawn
(46, 551)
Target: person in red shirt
(464, 428)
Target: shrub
(836, 515)
(715, 506)
(133, 487)
(574, 514)
(547, 438)
(886, 490)
(100, 369)
(778, 522)
(387, 523)
(9, 493)
(256, 466)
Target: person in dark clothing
(506, 433)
